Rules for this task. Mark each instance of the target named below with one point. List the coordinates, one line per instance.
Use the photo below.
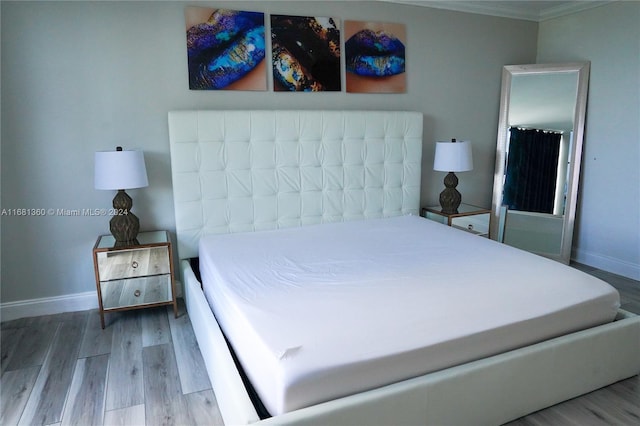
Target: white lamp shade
(120, 170)
(453, 157)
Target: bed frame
(252, 170)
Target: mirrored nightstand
(134, 277)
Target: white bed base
(489, 391)
(493, 390)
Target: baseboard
(606, 263)
(48, 305)
(55, 305)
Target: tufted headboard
(239, 171)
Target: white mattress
(323, 311)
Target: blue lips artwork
(375, 57)
(225, 49)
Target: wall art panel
(375, 57)
(225, 49)
(306, 53)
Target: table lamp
(120, 170)
(452, 157)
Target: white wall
(78, 77)
(608, 216)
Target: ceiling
(530, 10)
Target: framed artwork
(375, 57)
(305, 53)
(225, 49)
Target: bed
(248, 183)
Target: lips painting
(305, 53)
(225, 49)
(375, 57)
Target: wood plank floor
(145, 368)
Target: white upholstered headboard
(253, 170)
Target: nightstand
(469, 218)
(134, 277)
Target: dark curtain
(532, 165)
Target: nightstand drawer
(133, 263)
(468, 218)
(477, 224)
(136, 291)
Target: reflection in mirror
(539, 147)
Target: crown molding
(570, 8)
(510, 9)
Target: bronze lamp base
(450, 198)
(124, 225)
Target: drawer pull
(136, 293)
(134, 264)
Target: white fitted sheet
(319, 312)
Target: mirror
(538, 153)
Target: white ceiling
(531, 10)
